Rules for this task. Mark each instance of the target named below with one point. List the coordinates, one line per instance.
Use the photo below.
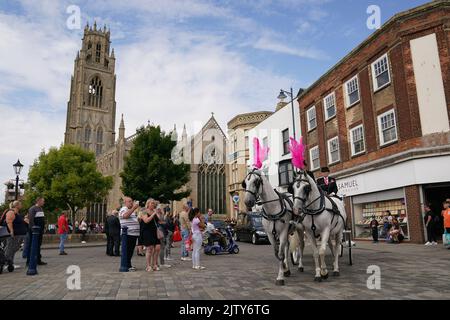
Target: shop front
(378, 205)
(401, 189)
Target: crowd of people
(151, 233)
(435, 225)
(153, 228)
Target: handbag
(159, 233)
(177, 235)
(446, 239)
(188, 244)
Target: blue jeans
(184, 236)
(62, 239)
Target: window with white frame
(311, 116)
(380, 73)
(330, 106)
(314, 158)
(333, 150)
(357, 140)
(351, 91)
(387, 127)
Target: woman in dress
(149, 235)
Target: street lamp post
(282, 96)
(17, 168)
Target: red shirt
(63, 226)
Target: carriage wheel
(236, 250)
(213, 252)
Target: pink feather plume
(298, 153)
(259, 153)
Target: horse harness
(322, 207)
(282, 197)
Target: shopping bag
(177, 235)
(446, 239)
(188, 244)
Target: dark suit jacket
(113, 226)
(331, 187)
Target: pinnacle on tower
(184, 134)
(122, 125)
(174, 133)
(121, 129)
(112, 53)
(104, 28)
(95, 25)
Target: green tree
(149, 170)
(67, 178)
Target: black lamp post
(17, 168)
(283, 96)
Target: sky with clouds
(176, 60)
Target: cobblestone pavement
(407, 272)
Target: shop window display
(365, 211)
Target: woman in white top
(197, 226)
(83, 230)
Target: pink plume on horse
(298, 153)
(259, 153)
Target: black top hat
(324, 169)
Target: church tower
(91, 110)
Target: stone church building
(91, 121)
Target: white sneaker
(166, 266)
(200, 268)
(434, 243)
(186, 259)
(168, 259)
(428, 243)
(83, 241)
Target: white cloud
(24, 135)
(266, 43)
(166, 76)
(167, 83)
(32, 58)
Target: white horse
(320, 219)
(277, 216)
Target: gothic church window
(98, 52)
(99, 146)
(95, 93)
(87, 137)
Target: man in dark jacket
(36, 217)
(327, 183)
(112, 228)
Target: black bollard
(123, 254)
(33, 246)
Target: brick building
(379, 119)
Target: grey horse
(277, 214)
(320, 218)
